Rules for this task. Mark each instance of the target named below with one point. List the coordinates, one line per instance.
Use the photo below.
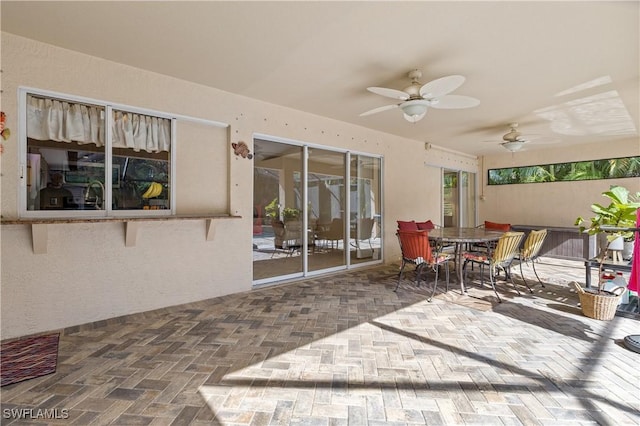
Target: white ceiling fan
(514, 141)
(417, 97)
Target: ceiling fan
(417, 97)
(514, 141)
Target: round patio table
(460, 237)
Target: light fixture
(414, 109)
(513, 146)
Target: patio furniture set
(492, 245)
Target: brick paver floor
(347, 349)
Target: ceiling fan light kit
(418, 97)
(513, 146)
(414, 110)
(514, 141)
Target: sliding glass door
(277, 210)
(365, 207)
(326, 202)
(306, 217)
(459, 199)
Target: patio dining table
(460, 237)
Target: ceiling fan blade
(379, 109)
(441, 86)
(389, 93)
(454, 102)
(543, 140)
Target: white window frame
(108, 106)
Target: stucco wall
(554, 203)
(88, 274)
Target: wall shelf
(39, 226)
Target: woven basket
(600, 306)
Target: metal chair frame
(416, 250)
(530, 252)
(363, 231)
(499, 259)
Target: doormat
(28, 358)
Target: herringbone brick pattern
(345, 349)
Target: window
(612, 168)
(73, 148)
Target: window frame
(491, 182)
(107, 212)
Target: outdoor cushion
(407, 225)
(476, 256)
(428, 225)
(506, 227)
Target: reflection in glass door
(450, 198)
(306, 217)
(326, 202)
(459, 199)
(277, 210)
(467, 199)
(365, 205)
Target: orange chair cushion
(407, 225)
(506, 227)
(476, 257)
(428, 225)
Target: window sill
(39, 226)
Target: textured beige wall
(88, 274)
(554, 203)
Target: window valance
(141, 132)
(62, 121)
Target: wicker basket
(600, 306)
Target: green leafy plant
(290, 213)
(613, 219)
(272, 209)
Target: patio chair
(498, 259)
(363, 232)
(334, 233)
(530, 252)
(417, 251)
(287, 236)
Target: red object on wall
(257, 220)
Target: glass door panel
(459, 199)
(277, 213)
(450, 199)
(467, 199)
(365, 206)
(326, 209)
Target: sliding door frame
(306, 146)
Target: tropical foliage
(612, 219)
(574, 171)
(619, 213)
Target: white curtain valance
(141, 132)
(60, 121)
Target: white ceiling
(564, 70)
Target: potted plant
(613, 221)
(272, 210)
(290, 214)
